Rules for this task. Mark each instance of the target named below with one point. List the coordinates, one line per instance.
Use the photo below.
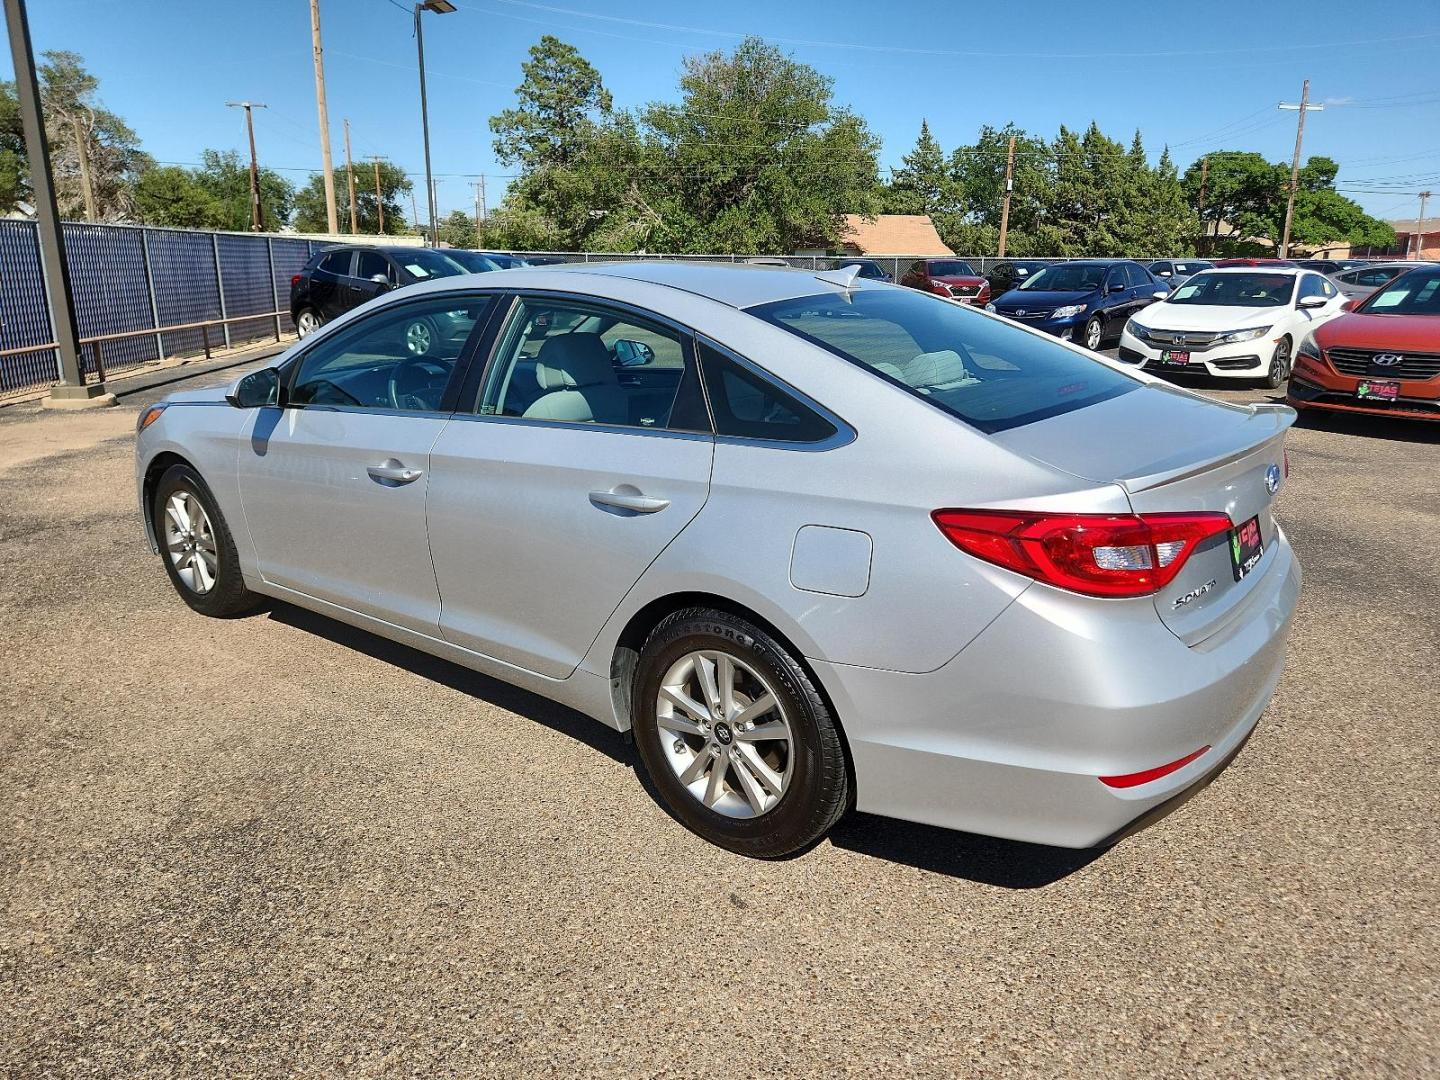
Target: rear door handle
(392, 472)
(631, 500)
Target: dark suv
(347, 275)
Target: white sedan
(1236, 322)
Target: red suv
(953, 279)
(1382, 358)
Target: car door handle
(631, 500)
(393, 472)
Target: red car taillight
(294, 280)
(1095, 554)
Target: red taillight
(1094, 554)
(1135, 779)
(294, 280)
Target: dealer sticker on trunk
(1245, 547)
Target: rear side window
(990, 375)
(337, 262)
(748, 405)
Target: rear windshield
(1415, 293)
(991, 375)
(950, 268)
(1067, 277)
(1258, 290)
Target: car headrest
(573, 360)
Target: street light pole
(257, 216)
(440, 7)
(72, 392)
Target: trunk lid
(1175, 452)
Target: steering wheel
(410, 377)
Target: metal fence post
(274, 288)
(219, 287)
(150, 287)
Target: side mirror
(630, 353)
(255, 390)
(1114, 287)
(1160, 294)
(1314, 302)
(381, 280)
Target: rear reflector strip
(1135, 779)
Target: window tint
(370, 264)
(1116, 278)
(1159, 268)
(398, 358)
(1414, 293)
(988, 374)
(748, 405)
(1313, 285)
(1137, 276)
(337, 262)
(563, 360)
(1373, 278)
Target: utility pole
(82, 154)
(1005, 206)
(1200, 210)
(329, 169)
(1420, 227)
(350, 182)
(414, 211)
(72, 392)
(257, 215)
(479, 204)
(379, 197)
(1302, 108)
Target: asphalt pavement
(276, 846)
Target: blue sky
(1196, 76)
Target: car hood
(1166, 316)
(1363, 330)
(201, 395)
(1039, 298)
(958, 279)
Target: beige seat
(579, 380)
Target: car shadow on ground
(982, 859)
(1365, 426)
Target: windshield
(473, 261)
(1415, 293)
(1258, 290)
(423, 264)
(950, 268)
(974, 367)
(1067, 277)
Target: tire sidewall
(228, 596)
(1279, 370)
(788, 825)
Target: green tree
(14, 179)
(227, 179)
(457, 229)
(173, 195)
(1240, 191)
(979, 171)
(561, 103)
(310, 215)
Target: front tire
(1279, 369)
(1094, 334)
(197, 547)
(735, 736)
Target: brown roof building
(1426, 246)
(892, 234)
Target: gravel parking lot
(279, 847)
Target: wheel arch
(632, 638)
(154, 470)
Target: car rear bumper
(1011, 736)
(1248, 360)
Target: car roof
(1290, 270)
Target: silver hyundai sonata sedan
(816, 541)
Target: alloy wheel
(417, 338)
(725, 733)
(307, 323)
(190, 542)
(1093, 334)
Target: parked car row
(1087, 300)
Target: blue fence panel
(290, 258)
(24, 317)
(107, 276)
(183, 266)
(245, 277)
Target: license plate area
(1378, 390)
(1175, 356)
(1246, 547)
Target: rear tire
(307, 321)
(197, 548)
(758, 781)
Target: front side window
(371, 264)
(1257, 290)
(1414, 293)
(571, 361)
(991, 375)
(400, 358)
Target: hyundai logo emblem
(1272, 478)
(1386, 359)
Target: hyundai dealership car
(1086, 301)
(805, 535)
(1233, 323)
(955, 279)
(1383, 358)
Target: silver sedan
(818, 542)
